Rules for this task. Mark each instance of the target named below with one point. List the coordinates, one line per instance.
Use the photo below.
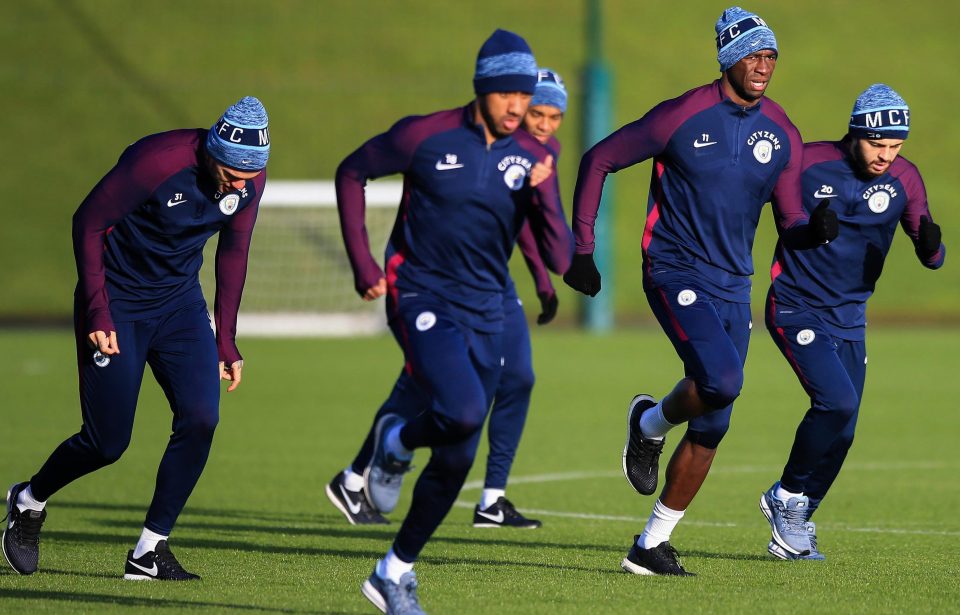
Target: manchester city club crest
(763, 151)
(878, 202)
(806, 336)
(229, 203)
(514, 175)
(686, 297)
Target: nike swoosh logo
(699, 144)
(817, 195)
(354, 508)
(151, 571)
(443, 166)
(172, 203)
(497, 518)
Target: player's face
(542, 121)
(228, 179)
(503, 111)
(748, 79)
(874, 156)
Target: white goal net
(299, 281)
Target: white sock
(26, 500)
(352, 481)
(392, 567)
(148, 542)
(395, 446)
(652, 423)
(489, 497)
(660, 526)
(782, 494)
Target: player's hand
(823, 223)
(541, 171)
(583, 275)
(232, 373)
(929, 236)
(376, 291)
(107, 344)
(548, 306)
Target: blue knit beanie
(740, 33)
(505, 63)
(880, 113)
(240, 139)
(550, 90)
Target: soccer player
(720, 151)
(816, 306)
(138, 239)
(512, 398)
(466, 196)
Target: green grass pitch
(265, 539)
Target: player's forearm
(351, 205)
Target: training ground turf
(265, 539)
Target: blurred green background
(81, 79)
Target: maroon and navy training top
(836, 280)
(463, 204)
(715, 164)
(138, 237)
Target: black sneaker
(21, 534)
(502, 514)
(662, 559)
(353, 504)
(640, 455)
(157, 565)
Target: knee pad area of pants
(721, 391)
(198, 424)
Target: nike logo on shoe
(354, 507)
(150, 571)
(497, 518)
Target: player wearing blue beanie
(817, 303)
(138, 240)
(467, 195)
(720, 151)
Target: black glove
(583, 275)
(928, 240)
(548, 307)
(824, 226)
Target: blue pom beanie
(240, 139)
(740, 33)
(505, 63)
(550, 90)
(880, 113)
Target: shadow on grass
(220, 513)
(134, 601)
(370, 533)
(744, 557)
(361, 554)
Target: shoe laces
(167, 561)
(672, 553)
(26, 527)
(645, 449)
(404, 594)
(794, 518)
(509, 510)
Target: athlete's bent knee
(722, 391)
